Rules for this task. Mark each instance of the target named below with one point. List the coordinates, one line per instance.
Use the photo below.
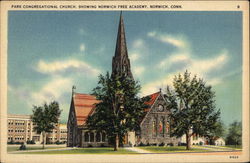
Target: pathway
(138, 150)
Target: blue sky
(49, 51)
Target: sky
(50, 51)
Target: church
(155, 126)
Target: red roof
(84, 106)
(151, 101)
(152, 98)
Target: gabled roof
(84, 105)
(152, 99)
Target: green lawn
(16, 148)
(156, 149)
(86, 151)
(233, 146)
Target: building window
(86, 137)
(98, 137)
(92, 137)
(103, 137)
(154, 127)
(195, 137)
(167, 127)
(161, 127)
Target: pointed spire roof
(121, 62)
(121, 46)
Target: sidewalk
(138, 150)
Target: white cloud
(82, 48)
(155, 86)
(174, 58)
(139, 43)
(134, 56)
(182, 59)
(138, 70)
(178, 41)
(199, 67)
(67, 65)
(53, 90)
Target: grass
(85, 151)
(156, 149)
(16, 148)
(233, 146)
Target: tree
(217, 131)
(193, 107)
(119, 109)
(45, 117)
(234, 136)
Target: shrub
(170, 144)
(11, 142)
(30, 142)
(182, 144)
(90, 145)
(22, 147)
(58, 142)
(162, 144)
(141, 144)
(102, 145)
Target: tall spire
(121, 62)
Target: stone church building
(154, 126)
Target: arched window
(154, 127)
(160, 127)
(92, 137)
(86, 136)
(103, 137)
(163, 127)
(98, 137)
(167, 127)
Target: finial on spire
(73, 89)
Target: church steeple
(121, 62)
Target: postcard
(124, 81)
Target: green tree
(119, 109)
(193, 107)
(45, 117)
(234, 136)
(216, 131)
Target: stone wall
(155, 128)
